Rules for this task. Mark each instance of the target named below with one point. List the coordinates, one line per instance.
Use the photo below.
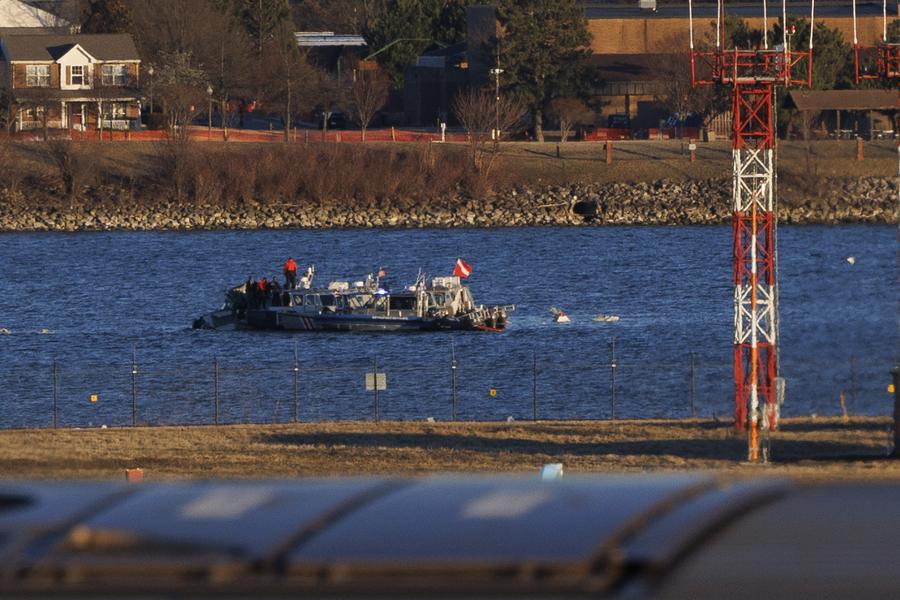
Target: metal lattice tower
(753, 75)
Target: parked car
(618, 121)
(336, 120)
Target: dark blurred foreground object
(680, 536)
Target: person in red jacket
(290, 273)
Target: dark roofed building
(73, 81)
(844, 113)
(42, 48)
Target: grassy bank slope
(222, 173)
(805, 448)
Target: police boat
(443, 304)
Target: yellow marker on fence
(890, 388)
(493, 392)
(94, 397)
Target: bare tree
(486, 118)
(368, 94)
(569, 112)
(181, 89)
(290, 82)
(681, 98)
(73, 163)
(9, 109)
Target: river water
(91, 302)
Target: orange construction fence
(215, 134)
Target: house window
(114, 75)
(77, 74)
(115, 110)
(37, 75)
(33, 113)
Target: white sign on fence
(373, 378)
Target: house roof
(14, 14)
(842, 99)
(102, 46)
(318, 39)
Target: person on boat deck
(273, 292)
(290, 273)
(250, 291)
(262, 288)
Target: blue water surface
(90, 302)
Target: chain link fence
(524, 386)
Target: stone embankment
(871, 200)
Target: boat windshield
(327, 299)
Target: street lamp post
(150, 72)
(496, 73)
(209, 92)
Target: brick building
(72, 81)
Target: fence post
(133, 386)
(55, 375)
(693, 388)
(296, 370)
(612, 382)
(452, 383)
(533, 385)
(216, 388)
(375, 382)
(895, 378)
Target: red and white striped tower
(753, 76)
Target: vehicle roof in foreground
(679, 535)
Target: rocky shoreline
(869, 200)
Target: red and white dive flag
(462, 269)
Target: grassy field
(805, 448)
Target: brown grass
(226, 173)
(807, 448)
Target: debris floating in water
(851, 260)
(559, 316)
(4, 331)
(44, 331)
(606, 318)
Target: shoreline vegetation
(61, 185)
(805, 448)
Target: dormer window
(77, 74)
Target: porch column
(63, 115)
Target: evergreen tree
(106, 16)
(407, 27)
(543, 47)
(832, 63)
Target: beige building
(626, 29)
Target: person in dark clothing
(273, 292)
(252, 296)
